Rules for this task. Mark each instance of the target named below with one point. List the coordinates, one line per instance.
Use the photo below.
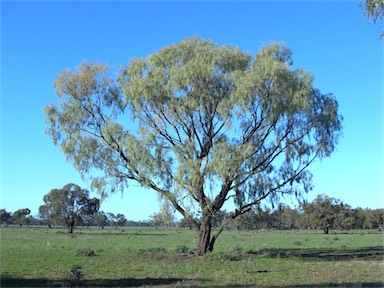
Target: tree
(329, 213)
(112, 219)
(208, 124)
(68, 205)
(116, 220)
(5, 217)
(165, 216)
(374, 10)
(100, 219)
(48, 216)
(285, 217)
(20, 216)
(120, 219)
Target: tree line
(72, 206)
(323, 213)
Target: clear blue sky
(331, 39)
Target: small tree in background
(5, 217)
(100, 219)
(120, 219)
(47, 215)
(68, 205)
(116, 220)
(20, 216)
(165, 217)
(329, 213)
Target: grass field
(38, 257)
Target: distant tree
(285, 217)
(68, 204)
(374, 10)
(320, 213)
(248, 221)
(100, 219)
(371, 219)
(156, 220)
(20, 216)
(213, 125)
(164, 217)
(329, 213)
(120, 219)
(264, 217)
(48, 216)
(5, 217)
(116, 220)
(379, 218)
(219, 218)
(112, 219)
(185, 223)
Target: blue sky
(331, 39)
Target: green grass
(148, 257)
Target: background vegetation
(317, 214)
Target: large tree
(201, 124)
(68, 205)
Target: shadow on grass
(349, 284)
(367, 253)
(172, 282)
(128, 282)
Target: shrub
(152, 250)
(75, 276)
(183, 249)
(235, 255)
(85, 252)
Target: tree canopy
(199, 123)
(20, 216)
(68, 205)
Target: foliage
(75, 276)
(5, 217)
(314, 215)
(282, 217)
(68, 205)
(213, 124)
(20, 216)
(374, 10)
(164, 217)
(85, 252)
(100, 219)
(328, 212)
(116, 220)
(184, 249)
(236, 254)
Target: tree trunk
(205, 242)
(70, 228)
(71, 224)
(326, 228)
